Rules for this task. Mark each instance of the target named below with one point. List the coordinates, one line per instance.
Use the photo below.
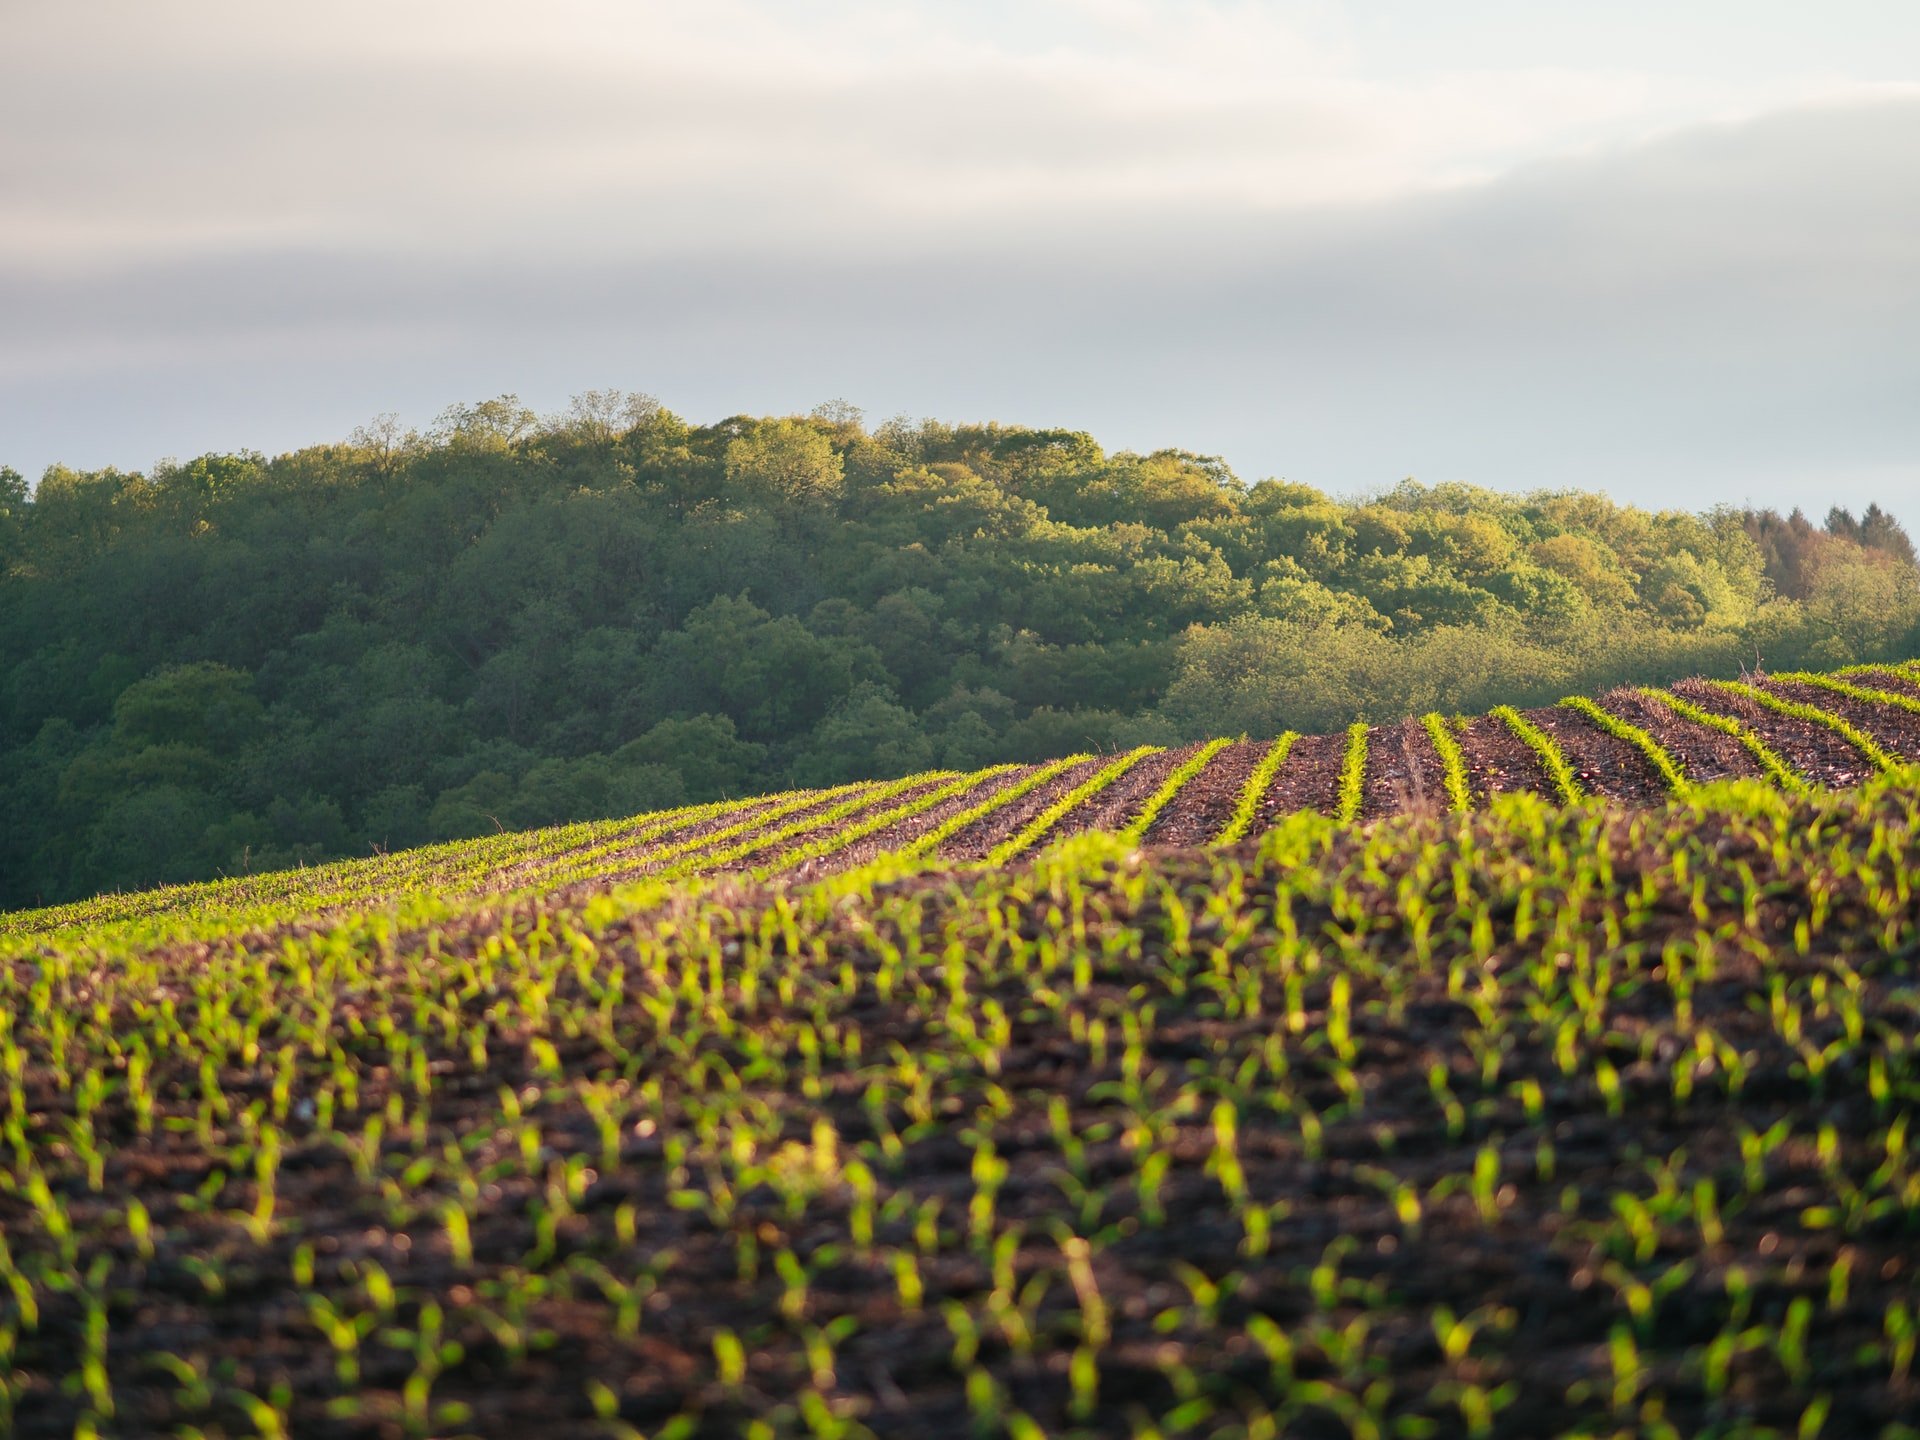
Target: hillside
(1637, 747)
(1544, 1118)
(241, 662)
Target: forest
(241, 662)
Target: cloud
(1221, 226)
(130, 130)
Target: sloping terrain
(1551, 1117)
(1630, 746)
(1537, 1121)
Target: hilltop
(240, 663)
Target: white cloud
(1343, 244)
(129, 129)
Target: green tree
(1587, 564)
(203, 705)
(712, 762)
(787, 460)
(867, 736)
(485, 425)
(771, 675)
(14, 505)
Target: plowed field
(907, 1109)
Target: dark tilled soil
(1818, 754)
(1889, 680)
(1403, 771)
(615, 859)
(1309, 779)
(977, 841)
(1114, 806)
(781, 822)
(1896, 729)
(1604, 764)
(1201, 811)
(865, 812)
(1704, 754)
(904, 832)
(1499, 762)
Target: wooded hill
(238, 662)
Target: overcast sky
(1670, 250)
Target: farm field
(1570, 1094)
(1632, 746)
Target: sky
(1661, 249)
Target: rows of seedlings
(1633, 747)
(1543, 1121)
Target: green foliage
(512, 619)
(867, 733)
(703, 750)
(1453, 762)
(1353, 775)
(787, 460)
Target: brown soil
(673, 835)
(978, 840)
(1896, 729)
(1818, 754)
(1704, 754)
(1404, 772)
(1309, 779)
(904, 832)
(1499, 762)
(1201, 811)
(1114, 806)
(1604, 764)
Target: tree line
(240, 662)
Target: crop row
(919, 818)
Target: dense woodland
(241, 662)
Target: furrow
(1771, 762)
(1037, 828)
(848, 836)
(812, 822)
(1259, 782)
(1810, 715)
(1650, 750)
(956, 825)
(1566, 784)
(1183, 775)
